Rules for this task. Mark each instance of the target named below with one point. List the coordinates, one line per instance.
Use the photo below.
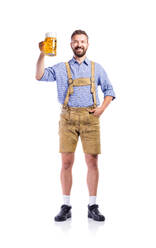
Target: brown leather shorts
(75, 122)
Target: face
(79, 44)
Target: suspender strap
(68, 70)
(93, 82)
(70, 80)
(70, 87)
(80, 82)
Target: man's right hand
(41, 46)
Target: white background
(122, 39)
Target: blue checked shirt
(82, 96)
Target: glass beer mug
(50, 44)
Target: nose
(79, 43)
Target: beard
(79, 53)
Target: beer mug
(50, 44)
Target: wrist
(102, 108)
(42, 55)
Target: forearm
(106, 102)
(40, 66)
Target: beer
(50, 44)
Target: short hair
(79, 31)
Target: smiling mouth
(79, 50)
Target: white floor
(32, 197)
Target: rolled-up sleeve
(105, 83)
(49, 75)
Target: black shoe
(94, 213)
(64, 214)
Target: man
(77, 83)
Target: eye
(74, 42)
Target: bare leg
(66, 172)
(93, 173)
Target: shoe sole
(90, 216)
(68, 217)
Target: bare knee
(92, 161)
(67, 160)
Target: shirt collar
(85, 61)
